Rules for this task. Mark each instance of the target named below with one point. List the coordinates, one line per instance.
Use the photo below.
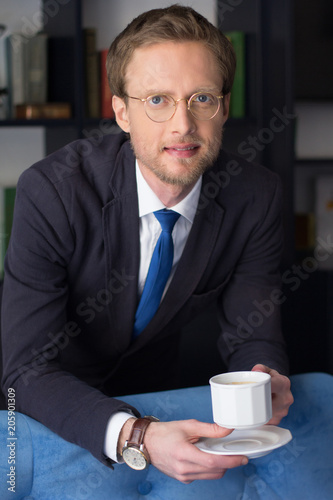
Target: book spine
(45, 111)
(106, 96)
(8, 64)
(237, 99)
(4, 108)
(36, 69)
(7, 201)
(16, 70)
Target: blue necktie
(158, 273)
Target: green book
(7, 200)
(237, 100)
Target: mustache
(186, 139)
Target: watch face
(134, 458)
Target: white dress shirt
(150, 230)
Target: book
(46, 111)
(92, 74)
(237, 100)
(26, 69)
(106, 96)
(15, 55)
(36, 69)
(7, 201)
(3, 68)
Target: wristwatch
(134, 452)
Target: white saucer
(252, 443)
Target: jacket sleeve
(34, 304)
(249, 309)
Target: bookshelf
(268, 32)
(269, 29)
(265, 134)
(310, 308)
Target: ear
(226, 105)
(121, 113)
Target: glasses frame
(176, 101)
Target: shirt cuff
(114, 426)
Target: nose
(183, 122)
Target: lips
(182, 150)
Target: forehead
(171, 67)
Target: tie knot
(167, 219)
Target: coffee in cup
(241, 400)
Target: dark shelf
(39, 123)
(314, 162)
(269, 28)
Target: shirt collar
(149, 202)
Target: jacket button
(145, 487)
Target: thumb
(219, 431)
(211, 430)
(261, 368)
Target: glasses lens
(204, 106)
(160, 107)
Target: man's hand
(282, 397)
(171, 449)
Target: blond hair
(177, 24)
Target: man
(84, 235)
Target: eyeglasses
(162, 107)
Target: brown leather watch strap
(138, 431)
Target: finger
(206, 466)
(262, 368)
(281, 388)
(198, 429)
(204, 476)
(280, 383)
(201, 460)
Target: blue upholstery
(49, 468)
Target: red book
(106, 96)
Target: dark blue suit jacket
(70, 290)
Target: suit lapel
(190, 269)
(122, 248)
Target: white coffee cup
(241, 400)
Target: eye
(204, 99)
(158, 101)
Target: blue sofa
(49, 468)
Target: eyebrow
(211, 89)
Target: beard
(194, 167)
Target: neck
(168, 194)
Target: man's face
(179, 150)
